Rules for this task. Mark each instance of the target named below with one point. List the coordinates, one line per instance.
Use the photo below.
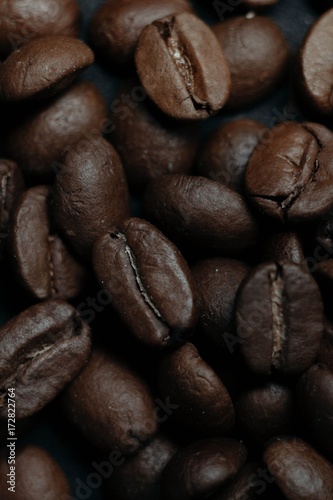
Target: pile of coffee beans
(169, 281)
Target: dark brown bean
(315, 398)
(139, 267)
(249, 484)
(226, 152)
(111, 405)
(11, 188)
(149, 143)
(201, 212)
(316, 65)
(266, 410)
(43, 67)
(300, 472)
(257, 54)
(139, 477)
(42, 350)
(45, 267)
(204, 402)
(21, 21)
(280, 319)
(182, 67)
(36, 473)
(284, 245)
(217, 282)
(290, 173)
(38, 140)
(117, 24)
(201, 468)
(91, 193)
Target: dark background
(295, 18)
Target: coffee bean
(21, 22)
(139, 267)
(43, 67)
(326, 351)
(290, 173)
(257, 54)
(201, 212)
(149, 143)
(182, 67)
(249, 484)
(44, 265)
(11, 188)
(42, 349)
(139, 477)
(316, 65)
(111, 405)
(201, 468)
(266, 410)
(39, 138)
(279, 319)
(90, 193)
(226, 152)
(284, 246)
(36, 473)
(117, 24)
(315, 398)
(300, 472)
(204, 402)
(217, 282)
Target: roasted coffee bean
(91, 193)
(36, 474)
(315, 398)
(149, 143)
(140, 267)
(201, 468)
(204, 403)
(225, 154)
(182, 67)
(280, 319)
(111, 405)
(39, 139)
(265, 410)
(300, 472)
(326, 351)
(117, 24)
(20, 21)
(249, 484)
(11, 188)
(316, 65)
(284, 245)
(257, 54)
(42, 349)
(201, 212)
(139, 477)
(45, 267)
(43, 67)
(290, 173)
(217, 282)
